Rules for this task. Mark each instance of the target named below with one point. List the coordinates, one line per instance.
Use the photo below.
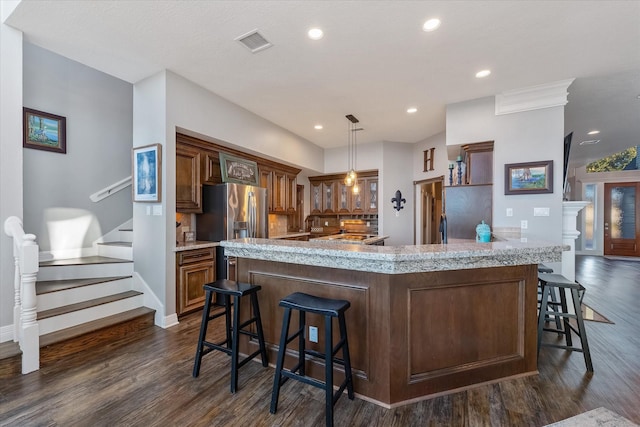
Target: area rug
(600, 417)
(589, 313)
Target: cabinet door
(279, 191)
(188, 186)
(194, 269)
(211, 168)
(266, 181)
(291, 184)
(329, 196)
(357, 199)
(371, 196)
(316, 197)
(344, 198)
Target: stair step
(84, 267)
(120, 249)
(10, 359)
(86, 304)
(47, 286)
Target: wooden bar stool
(329, 308)
(237, 290)
(549, 283)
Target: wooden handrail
(111, 190)
(26, 329)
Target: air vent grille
(254, 41)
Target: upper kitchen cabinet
(479, 159)
(198, 163)
(188, 184)
(329, 194)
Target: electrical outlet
(509, 211)
(524, 224)
(313, 334)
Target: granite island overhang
(424, 320)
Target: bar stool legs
(329, 309)
(233, 327)
(551, 282)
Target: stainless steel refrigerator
(231, 211)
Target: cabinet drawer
(196, 255)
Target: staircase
(84, 302)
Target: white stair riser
(57, 323)
(83, 293)
(63, 272)
(121, 252)
(126, 235)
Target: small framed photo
(44, 131)
(528, 178)
(147, 173)
(241, 171)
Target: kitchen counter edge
(198, 244)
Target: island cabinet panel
(412, 335)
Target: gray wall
(99, 113)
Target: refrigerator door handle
(252, 214)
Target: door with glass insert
(622, 219)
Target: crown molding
(533, 97)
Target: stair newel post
(17, 298)
(30, 334)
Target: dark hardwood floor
(148, 382)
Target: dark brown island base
(424, 320)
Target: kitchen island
(424, 320)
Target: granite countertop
(398, 259)
(290, 234)
(198, 244)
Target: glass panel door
(621, 226)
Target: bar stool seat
(549, 283)
(329, 308)
(233, 327)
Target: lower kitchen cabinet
(194, 268)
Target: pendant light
(351, 179)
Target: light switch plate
(540, 211)
(157, 210)
(524, 224)
(509, 211)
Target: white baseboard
(6, 333)
(170, 320)
(152, 301)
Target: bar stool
(554, 297)
(551, 282)
(329, 308)
(237, 290)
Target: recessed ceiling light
(593, 132)
(431, 25)
(412, 110)
(483, 73)
(318, 127)
(315, 34)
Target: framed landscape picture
(147, 173)
(44, 131)
(235, 169)
(528, 178)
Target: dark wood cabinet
(479, 159)
(194, 268)
(266, 181)
(330, 195)
(211, 168)
(188, 184)
(316, 197)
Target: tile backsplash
(278, 224)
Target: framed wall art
(147, 173)
(44, 131)
(241, 171)
(528, 178)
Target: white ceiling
(374, 61)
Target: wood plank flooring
(148, 382)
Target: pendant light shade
(351, 179)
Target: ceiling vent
(254, 41)
(590, 142)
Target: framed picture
(528, 178)
(241, 171)
(147, 173)
(44, 131)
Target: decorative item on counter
(483, 233)
(398, 202)
(451, 166)
(189, 236)
(459, 161)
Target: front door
(622, 219)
